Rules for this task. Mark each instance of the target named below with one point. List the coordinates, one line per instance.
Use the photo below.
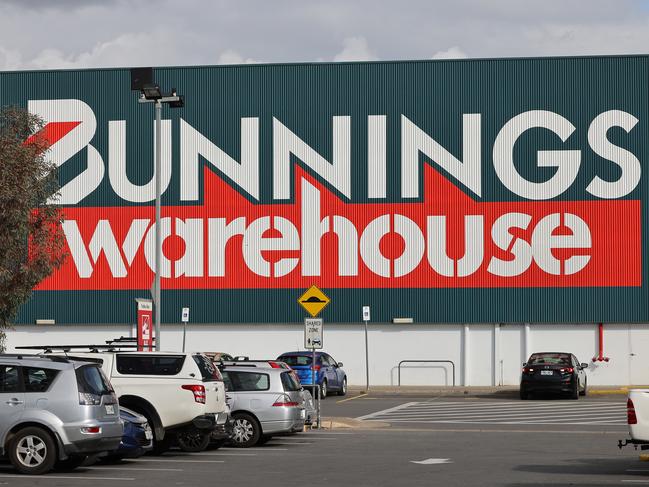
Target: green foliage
(31, 238)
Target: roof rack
(68, 348)
(20, 356)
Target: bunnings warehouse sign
(460, 191)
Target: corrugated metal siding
(434, 96)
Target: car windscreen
(207, 368)
(296, 360)
(151, 365)
(91, 380)
(549, 359)
(239, 381)
(289, 382)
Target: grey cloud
(75, 33)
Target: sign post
(314, 301)
(313, 328)
(144, 325)
(185, 319)
(366, 318)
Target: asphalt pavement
(451, 441)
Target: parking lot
(413, 441)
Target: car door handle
(15, 402)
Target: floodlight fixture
(151, 91)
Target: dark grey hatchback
(553, 372)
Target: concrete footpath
(416, 391)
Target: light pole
(142, 81)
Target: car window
(9, 378)
(91, 380)
(296, 360)
(239, 381)
(38, 379)
(289, 382)
(152, 365)
(549, 359)
(209, 371)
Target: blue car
(137, 438)
(330, 375)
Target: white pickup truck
(182, 395)
(637, 412)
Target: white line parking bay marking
(507, 412)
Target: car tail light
(631, 418)
(567, 370)
(274, 365)
(285, 401)
(198, 390)
(527, 370)
(317, 367)
(88, 399)
(91, 430)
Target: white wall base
(484, 355)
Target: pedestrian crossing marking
(508, 412)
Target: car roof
(55, 361)
(243, 368)
(304, 353)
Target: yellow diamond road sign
(313, 301)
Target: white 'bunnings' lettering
(289, 148)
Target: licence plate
(546, 372)
(110, 409)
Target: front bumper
(224, 430)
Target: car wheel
(323, 390)
(523, 394)
(70, 463)
(193, 440)
(575, 392)
(343, 388)
(32, 451)
(584, 392)
(246, 431)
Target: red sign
(144, 325)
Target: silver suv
(54, 409)
(265, 402)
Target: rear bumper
(291, 421)
(93, 445)
(548, 386)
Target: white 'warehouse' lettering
(352, 241)
(336, 171)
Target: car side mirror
(339, 364)
(584, 366)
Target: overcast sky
(40, 34)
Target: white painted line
(637, 470)
(500, 422)
(492, 419)
(487, 416)
(305, 437)
(516, 406)
(262, 448)
(216, 454)
(396, 408)
(432, 461)
(135, 469)
(328, 433)
(287, 444)
(164, 460)
(55, 477)
(636, 481)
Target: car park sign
(313, 333)
(509, 190)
